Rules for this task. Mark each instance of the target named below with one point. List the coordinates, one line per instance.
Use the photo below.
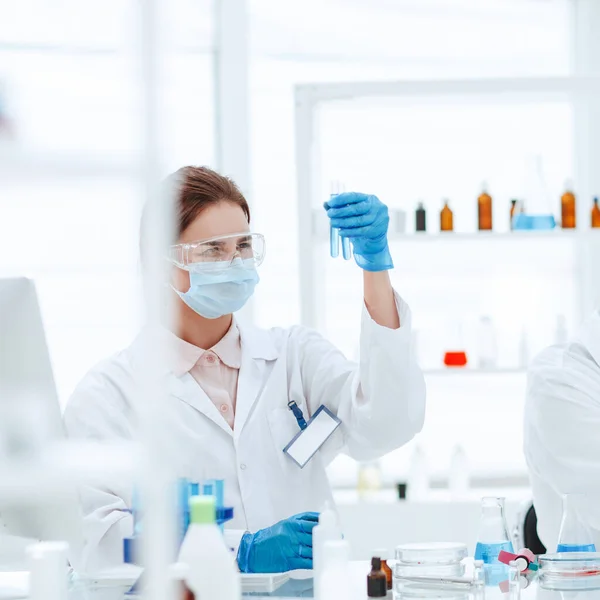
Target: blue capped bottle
(575, 535)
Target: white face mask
(213, 294)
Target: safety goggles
(219, 252)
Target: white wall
(71, 80)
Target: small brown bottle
(376, 580)
(568, 208)
(446, 218)
(484, 210)
(513, 209)
(420, 218)
(178, 573)
(596, 214)
(388, 573)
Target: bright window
(74, 88)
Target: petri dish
(432, 553)
(414, 590)
(570, 571)
(428, 570)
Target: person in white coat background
(562, 431)
(227, 414)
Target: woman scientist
(239, 395)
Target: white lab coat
(562, 430)
(381, 403)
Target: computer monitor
(29, 408)
(30, 418)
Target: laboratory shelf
(486, 236)
(451, 236)
(397, 233)
(313, 228)
(459, 371)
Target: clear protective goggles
(217, 253)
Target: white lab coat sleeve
(95, 412)
(562, 445)
(380, 401)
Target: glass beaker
(575, 535)
(538, 198)
(493, 532)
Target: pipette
(439, 582)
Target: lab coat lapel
(258, 355)
(186, 388)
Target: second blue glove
(364, 219)
(285, 546)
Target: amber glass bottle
(513, 209)
(376, 580)
(484, 209)
(596, 214)
(446, 218)
(569, 208)
(421, 218)
(389, 576)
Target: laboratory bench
(300, 585)
(303, 588)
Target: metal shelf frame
(580, 90)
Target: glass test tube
(346, 248)
(334, 234)
(334, 242)
(514, 581)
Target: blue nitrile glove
(285, 546)
(364, 219)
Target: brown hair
(193, 189)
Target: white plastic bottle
(326, 531)
(213, 574)
(48, 571)
(335, 579)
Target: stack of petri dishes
(570, 571)
(435, 559)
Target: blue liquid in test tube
(334, 234)
(346, 248)
(334, 242)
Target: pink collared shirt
(216, 370)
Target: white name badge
(307, 442)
